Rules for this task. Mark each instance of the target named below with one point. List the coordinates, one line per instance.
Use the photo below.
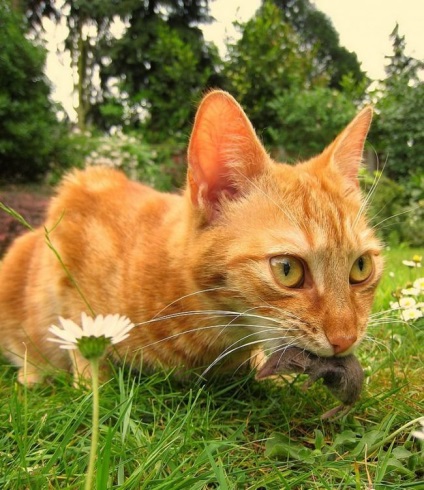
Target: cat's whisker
(380, 345)
(383, 323)
(181, 298)
(270, 351)
(410, 210)
(207, 314)
(368, 198)
(230, 351)
(384, 317)
(222, 327)
(388, 311)
(289, 342)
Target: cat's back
(100, 197)
(99, 189)
(99, 215)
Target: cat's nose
(341, 344)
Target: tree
(35, 11)
(162, 64)
(265, 63)
(398, 131)
(316, 32)
(285, 90)
(89, 23)
(310, 119)
(27, 121)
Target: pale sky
(364, 27)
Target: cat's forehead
(300, 213)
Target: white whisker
(369, 197)
(203, 291)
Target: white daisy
(407, 302)
(94, 335)
(394, 305)
(411, 291)
(411, 263)
(410, 314)
(419, 283)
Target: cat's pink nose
(342, 343)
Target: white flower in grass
(94, 335)
(411, 291)
(411, 314)
(407, 302)
(411, 263)
(394, 305)
(419, 283)
(419, 434)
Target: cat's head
(289, 245)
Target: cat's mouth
(323, 351)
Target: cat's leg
(81, 369)
(30, 377)
(33, 364)
(29, 372)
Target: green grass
(232, 433)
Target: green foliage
(398, 131)
(154, 165)
(413, 229)
(316, 30)
(309, 120)
(162, 65)
(396, 209)
(280, 77)
(28, 126)
(266, 63)
(160, 166)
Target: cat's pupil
(361, 263)
(286, 267)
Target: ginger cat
(251, 254)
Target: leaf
(279, 446)
(319, 439)
(346, 438)
(401, 452)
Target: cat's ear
(347, 150)
(224, 153)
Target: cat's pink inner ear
(348, 147)
(224, 150)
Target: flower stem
(95, 423)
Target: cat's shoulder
(100, 182)
(94, 179)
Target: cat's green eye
(288, 271)
(361, 269)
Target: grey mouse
(343, 376)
